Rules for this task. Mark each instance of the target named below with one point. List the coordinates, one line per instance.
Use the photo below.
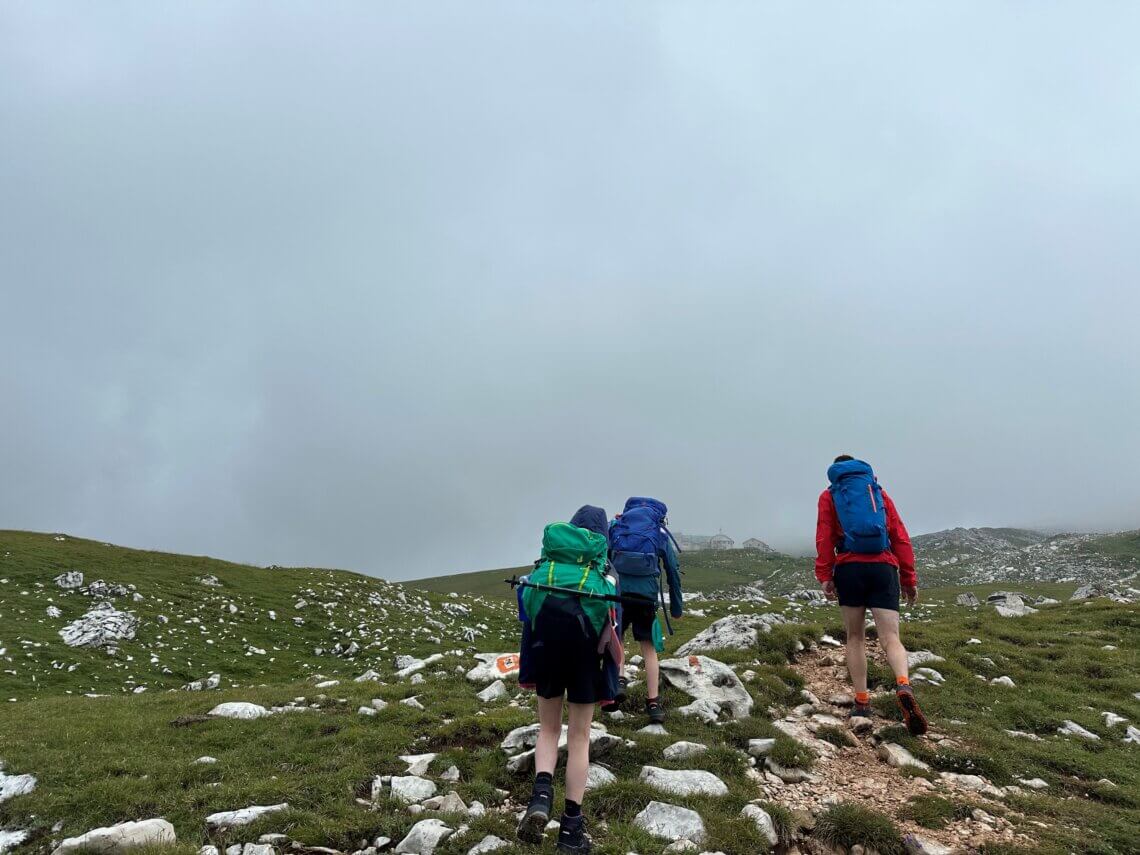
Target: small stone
(493, 692)
(761, 747)
(424, 837)
(763, 820)
(686, 782)
(671, 822)
(120, 837)
(490, 843)
(230, 818)
(411, 788)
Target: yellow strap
(585, 575)
(550, 573)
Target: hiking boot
(532, 826)
(655, 711)
(572, 835)
(623, 685)
(862, 711)
(912, 716)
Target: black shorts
(640, 618)
(564, 657)
(873, 586)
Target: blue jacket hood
(592, 519)
(837, 471)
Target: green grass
(106, 759)
(849, 824)
(935, 811)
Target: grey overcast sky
(388, 286)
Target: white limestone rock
(1003, 681)
(15, 785)
(737, 632)
(703, 678)
(684, 750)
(488, 844)
(1071, 728)
(424, 837)
(120, 838)
(493, 692)
(764, 823)
(230, 818)
(412, 788)
(761, 747)
(598, 776)
(921, 657)
(11, 838)
(240, 710)
(418, 764)
(704, 709)
(671, 822)
(494, 666)
(897, 756)
(683, 782)
(69, 580)
(102, 626)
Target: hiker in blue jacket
(640, 547)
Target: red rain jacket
(829, 542)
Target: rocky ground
(265, 711)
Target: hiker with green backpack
(570, 655)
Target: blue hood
(838, 471)
(592, 519)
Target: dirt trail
(857, 774)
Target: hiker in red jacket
(864, 568)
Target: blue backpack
(637, 540)
(859, 505)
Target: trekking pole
(516, 582)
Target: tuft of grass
(791, 754)
(837, 736)
(849, 825)
(934, 811)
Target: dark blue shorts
(872, 586)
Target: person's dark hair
(843, 458)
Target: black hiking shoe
(532, 826)
(862, 711)
(619, 698)
(912, 716)
(655, 711)
(572, 835)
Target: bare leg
(550, 729)
(652, 674)
(853, 617)
(578, 759)
(887, 626)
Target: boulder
(703, 678)
(102, 626)
(1009, 604)
(1003, 681)
(1111, 719)
(764, 823)
(424, 837)
(230, 818)
(1132, 735)
(239, 709)
(206, 683)
(973, 783)
(738, 632)
(671, 822)
(684, 750)
(494, 666)
(684, 782)
(968, 599)
(1033, 783)
(121, 837)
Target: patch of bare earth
(857, 774)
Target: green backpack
(574, 558)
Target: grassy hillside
(121, 755)
(256, 626)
